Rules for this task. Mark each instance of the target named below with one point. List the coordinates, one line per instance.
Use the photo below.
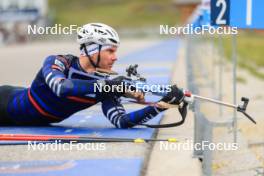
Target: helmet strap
(99, 56)
(89, 57)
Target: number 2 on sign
(219, 19)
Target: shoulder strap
(68, 58)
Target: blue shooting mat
(95, 167)
(92, 122)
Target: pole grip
(242, 108)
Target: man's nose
(114, 58)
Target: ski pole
(76, 138)
(240, 108)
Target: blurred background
(130, 18)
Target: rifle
(189, 97)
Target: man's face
(108, 58)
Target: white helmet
(98, 33)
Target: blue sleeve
(115, 112)
(54, 71)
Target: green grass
(117, 13)
(250, 51)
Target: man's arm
(54, 71)
(115, 112)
